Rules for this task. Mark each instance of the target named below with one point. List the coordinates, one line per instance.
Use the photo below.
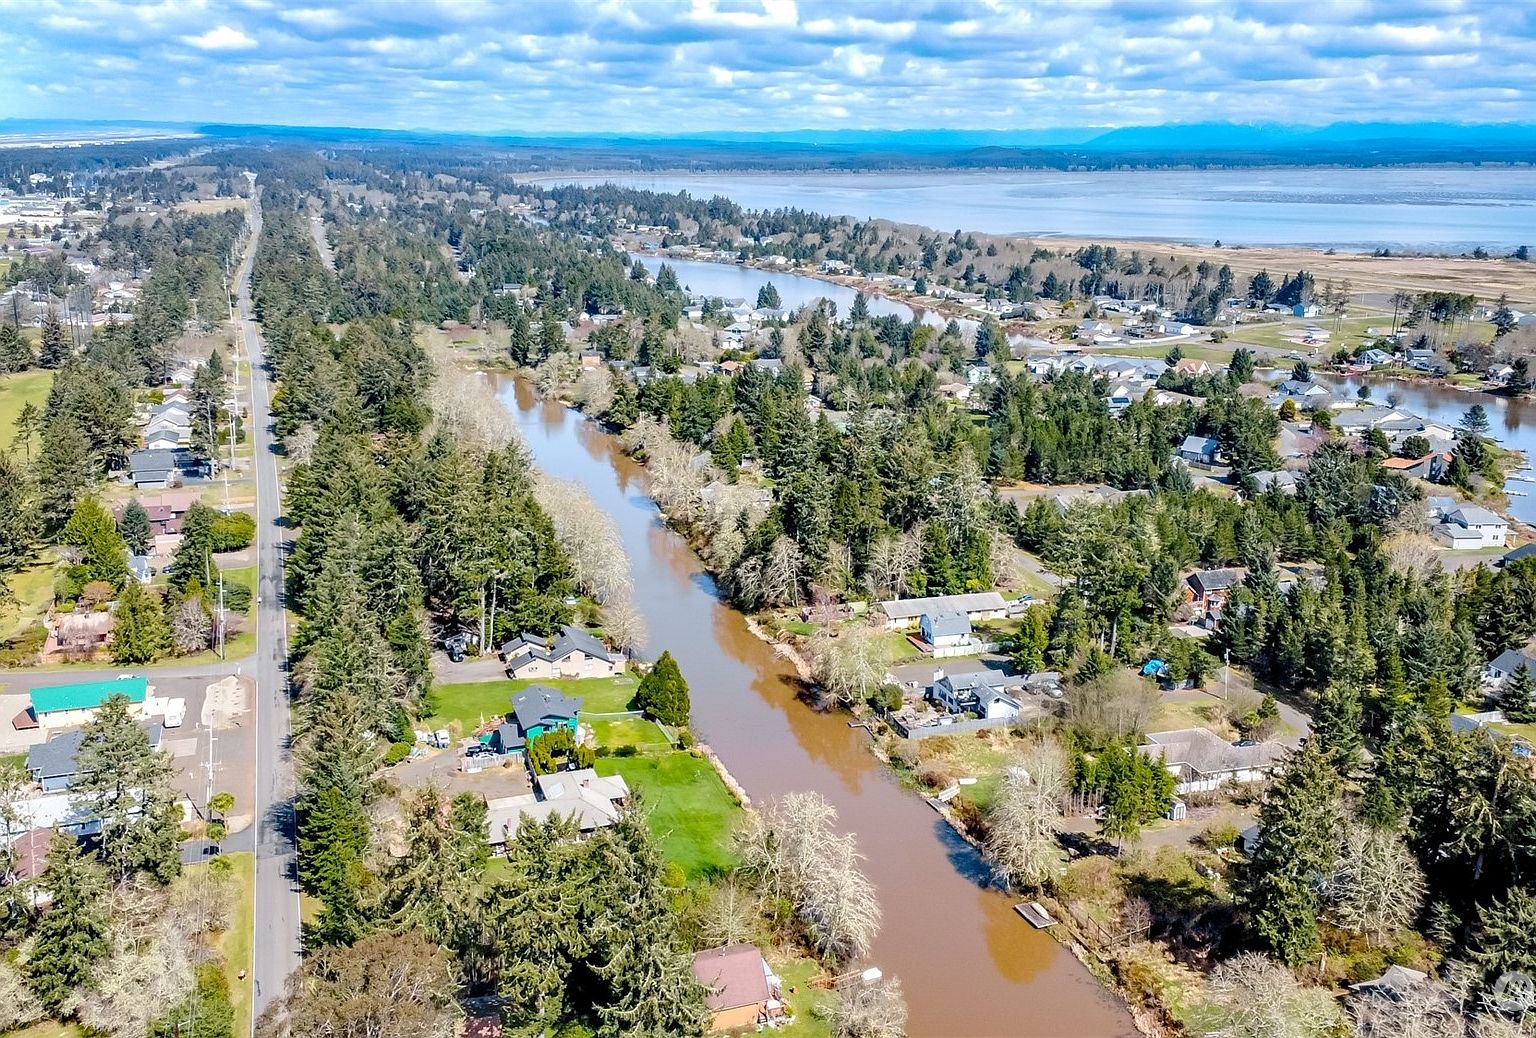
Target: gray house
(153, 469)
(1201, 450)
(52, 764)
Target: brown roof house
(743, 992)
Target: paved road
(275, 951)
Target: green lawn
(797, 974)
(33, 588)
(469, 703)
(614, 732)
(234, 944)
(901, 646)
(688, 807)
(16, 391)
(1210, 352)
(242, 575)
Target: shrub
(933, 775)
(233, 532)
(237, 597)
(396, 753)
(1218, 835)
(685, 739)
(970, 818)
(627, 750)
(23, 648)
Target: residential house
(743, 992)
(52, 764)
(945, 630)
(1439, 506)
(140, 567)
(594, 801)
(153, 469)
(60, 706)
(976, 606)
(539, 708)
(78, 633)
(1190, 367)
(1178, 328)
(1525, 551)
(1375, 358)
(1201, 761)
(771, 365)
(1306, 395)
(1506, 664)
(989, 693)
(1393, 984)
(1306, 310)
(1282, 479)
(1472, 526)
(958, 391)
(1432, 466)
(1209, 589)
(1199, 450)
(574, 654)
(1423, 360)
(979, 374)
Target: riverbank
(1094, 959)
(945, 928)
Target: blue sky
(567, 66)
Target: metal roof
(87, 694)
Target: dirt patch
(226, 702)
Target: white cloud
(223, 37)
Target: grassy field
(687, 806)
(242, 575)
(614, 732)
(33, 588)
(16, 391)
(797, 974)
(234, 944)
(468, 703)
(48, 1029)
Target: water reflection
(969, 966)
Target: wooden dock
(1035, 914)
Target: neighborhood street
(275, 951)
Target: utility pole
(222, 641)
(1226, 672)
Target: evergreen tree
(1337, 724)
(64, 470)
(135, 528)
(1518, 696)
(126, 783)
(194, 555)
(1300, 825)
(206, 1012)
(768, 297)
(18, 518)
(433, 887)
(551, 337)
(93, 535)
(72, 935)
(140, 633)
(15, 352)
(333, 836)
(1503, 943)
(663, 694)
(56, 348)
(521, 346)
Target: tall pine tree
(1299, 830)
(72, 934)
(140, 633)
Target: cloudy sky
(650, 66)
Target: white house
(989, 693)
(977, 606)
(1200, 760)
(594, 801)
(1472, 526)
(1504, 666)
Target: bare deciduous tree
(891, 561)
(731, 915)
(871, 1010)
(1256, 997)
(138, 984)
(18, 1005)
(624, 624)
(851, 666)
(781, 572)
(191, 626)
(1114, 706)
(1423, 1011)
(1414, 554)
(792, 850)
(464, 403)
(594, 390)
(1022, 844)
(589, 537)
(300, 445)
(1378, 886)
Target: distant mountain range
(1191, 144)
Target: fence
(928, 731)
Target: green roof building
(55, 700)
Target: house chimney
(938, 674)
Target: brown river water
(969, 966)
